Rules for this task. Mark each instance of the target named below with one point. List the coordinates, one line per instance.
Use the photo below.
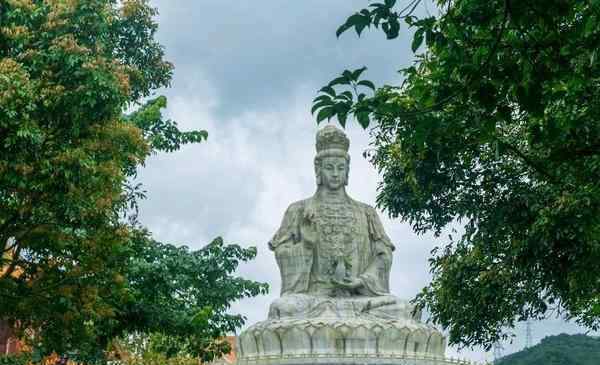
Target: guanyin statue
(335, 259)
(331, 246)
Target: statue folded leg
(302, 306)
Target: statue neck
(331, 195)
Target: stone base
(358, 340)
(407, 359)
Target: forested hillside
(559, 350)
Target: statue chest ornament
(336, 224)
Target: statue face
(334, 171)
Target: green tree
(76, 268)
(179, 298)
(496, 127)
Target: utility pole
(528, 341)
(498, 350)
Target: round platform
(359, 340)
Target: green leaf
(356, 73)
(328, 90)
(417, 39)
(367, 83)
(320, 104)
(342, 119)
(342, 80)
(352, 21)
(359, 28)
(342, 28)
(361, 24)
(363, 119)
(325, 113)
(393, 28)
(346, 95)
(342, 107)
(321, 98)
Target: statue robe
(312, 236)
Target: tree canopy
(77, 269)
(495, 128)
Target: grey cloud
(257, 51)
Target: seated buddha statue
(332, 251)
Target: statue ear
(347, 171)
(318, 172)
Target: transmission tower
(498, 350)
(528, 341)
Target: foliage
(181, 297)
(21, 359)
(156, 358)
(71, 249)
(147, 350)
(496, 127)
(558, 350)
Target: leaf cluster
(182, 297)
(330, 103)
(15, 359)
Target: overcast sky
(246, 71)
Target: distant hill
(558, 350)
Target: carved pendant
(335, 226)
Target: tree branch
(13, 263)
(533, 165)
(7, 248)
(414, 5)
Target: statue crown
(332, 140)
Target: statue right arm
(289, 229)
(294, 258)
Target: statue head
(332, 162)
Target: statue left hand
(348, 283)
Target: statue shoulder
(376, 230)
(298, 206)
(368, 209)
(290, 225)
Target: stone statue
(335, 259)
(329, 245)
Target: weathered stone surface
(342, 336)
(335, 306)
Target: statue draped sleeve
(293, 256)
(376, 277)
